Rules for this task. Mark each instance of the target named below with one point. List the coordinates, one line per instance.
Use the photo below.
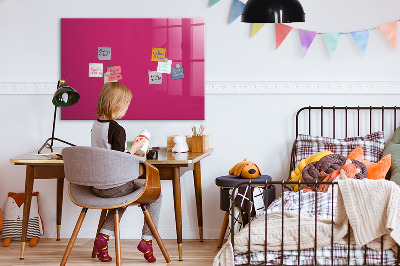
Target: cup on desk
(152, 155)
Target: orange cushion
(375, 170)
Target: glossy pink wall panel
(131, 42)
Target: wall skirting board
(248, 87)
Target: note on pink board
(114, 69)
(158, 54)
(132, 40)
(113, 77)
(95, 70)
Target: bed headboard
(344, 121)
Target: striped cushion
(372, 145)
(13, 228)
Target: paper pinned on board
(114, 77)
(104, 53)
(155, 77)
(95, 70)
(177, 72)
(115, 73)
(106, 75)
(164, 67)
(158, 54)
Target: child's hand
(143, 155)
(137, 144)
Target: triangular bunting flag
(237, 9)
(332, 41)
(255, 28)
(390, 32)
(306, 38)
(281, 31)
(213, 2)
(361, 38)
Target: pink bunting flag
(306, 39)
(389, 30)
(281, 31)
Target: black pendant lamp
(273, 11)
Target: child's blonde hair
(113, 98)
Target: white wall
(259, 127)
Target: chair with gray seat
(85, 167)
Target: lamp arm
(54, 126)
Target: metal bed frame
(283, 184)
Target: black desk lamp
(273, 11)
(64, 96)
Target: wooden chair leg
(73, 237)
(223, 229)
(117, 238)
(101, 222)
(154, 230)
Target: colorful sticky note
(164, 67)
(114, 77)
(114, 70)
(177, 72)
(106, 75)
(104, 53)
(158, 54)
(95, 70)
(155, 77)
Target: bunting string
(361, 37)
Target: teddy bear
(245, 169)
(13, 215)
(180, 144)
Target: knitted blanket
(371, 207)
(274, 235)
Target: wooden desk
(171, 167)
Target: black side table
(226, 183)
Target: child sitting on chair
(114, 100)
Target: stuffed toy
(180, 144)
(13, 215)
(245, 169)
(375, 170)
(296, 174)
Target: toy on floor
(180, 144)
(13, 215)
(245, 169)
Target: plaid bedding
(372, 145)
(323, 207)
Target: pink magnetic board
(131, 42)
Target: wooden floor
(50, 252)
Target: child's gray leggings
(154, 208)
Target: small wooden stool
(226, 183)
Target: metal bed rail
(346, 124)
(265, 185)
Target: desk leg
(176, 182)
(60, 190)
(197, 189)
(27, 206)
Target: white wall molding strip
(248, 87)
(303, 87)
